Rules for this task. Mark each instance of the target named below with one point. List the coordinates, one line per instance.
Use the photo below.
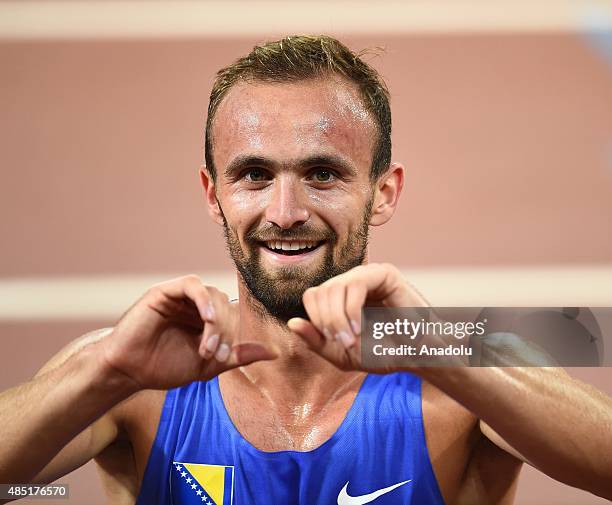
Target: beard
(280, 292)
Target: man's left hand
(334, 309)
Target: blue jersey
(377, 455)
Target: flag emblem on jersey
(197, 484)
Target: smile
(291, 247)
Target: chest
(274, 426)
(250, 430)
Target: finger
(308, 332)
(188, 315)
(249, 352)
(239, 355)
(385, 282)
(216, 339)
(311, 304)
(203, 297)
(324, 326)
(336, 312)
(191, 287)
(209, 342)
(356, 294)
(223, 352)
(331, 350)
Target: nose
(287, 203)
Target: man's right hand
(180, 331)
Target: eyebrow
(329, 160)
(244, 161)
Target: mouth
(291, 247)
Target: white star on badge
(183, 474)
(178, 467)
(189, 480)
(203, 498)
(199, 492)
(193, 486)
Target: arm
(56, 422)
(540, 415)
(44, 415)
(93, 439)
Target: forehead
(289, 121)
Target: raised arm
(541, 415)
(59, 405)
(180, 331)
(552, 421)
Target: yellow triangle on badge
(210, 477)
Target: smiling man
(296, 212)
(193, 399)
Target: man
(297, 168)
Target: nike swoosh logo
(345, 499)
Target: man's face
(293, 186)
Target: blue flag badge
(195, 483)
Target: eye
(255, 175)
(323, 175)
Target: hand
(334, 309)
(180, 331)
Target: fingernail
(223, 352)
(345, 338)
(211, 343)
(355, 327)
(209, 311)
(327, 334)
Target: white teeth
(290, 246)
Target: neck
(298, 372)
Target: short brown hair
(303, 57)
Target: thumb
(249, 352)
(308, 332)
(331, 350)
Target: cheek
(341, 210)
(243, 209)
(341, 204)
(322, 202)
(245, 204)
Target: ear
(210, 195)
(386, 195)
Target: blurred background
(502, 113)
